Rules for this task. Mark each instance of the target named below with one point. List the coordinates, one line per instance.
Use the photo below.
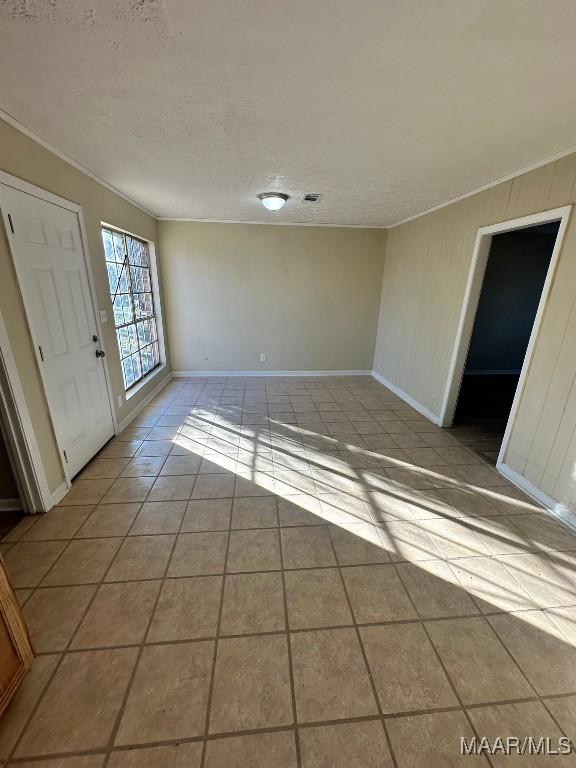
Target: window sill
(146, 380)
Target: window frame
(156, 307)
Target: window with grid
(128, 265)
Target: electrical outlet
(263, 357)
(103, 316)
(120, 402)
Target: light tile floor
(289, 572)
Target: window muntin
(131, 290)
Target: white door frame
(474, 283)
(30, 189)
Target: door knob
(100, 353)
(94, 338)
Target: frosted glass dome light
(273, 201)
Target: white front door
(47, 249)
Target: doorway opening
(508, 284)
(516, 270)
(11, 505)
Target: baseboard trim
(57, 495)
(493, 372)
(559, 511)
(407, 399)
(123, 423)
(202, 374)
(10, 505)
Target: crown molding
(271, 223)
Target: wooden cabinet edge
(13, 620)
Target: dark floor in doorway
(9, 520)
(482, 435)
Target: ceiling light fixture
(273, 201)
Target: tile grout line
(382, 526)
(514, 661)
(216, 639)
(555, 720)
(440, 661)
(63, 653)
(425, 630)
(364, 655)
(41, 587)
(269, 730)
(288, 644)
(537, 696)
(272, 633)
(142, 645)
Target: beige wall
(307, 296)
(24, 158)
(427, 263)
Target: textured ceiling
(385, 107)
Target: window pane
(118, 311)
(140, 279)
(136, 366)
(136, 276)
(127, 372)
(147, 280)
(123, 284)
(123, 309)
(128, 309)
(130, 282)
(144, 333)
(112, 276)
(108, 245)
(118, 248)
(117, 278)
(147, 355)
(142, 250)
(127, 340)
(133, 248)
(143, 305)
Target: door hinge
(41, 352)
(11, 222)
(65, 456)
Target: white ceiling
(386, 107)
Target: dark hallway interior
(513, 283)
